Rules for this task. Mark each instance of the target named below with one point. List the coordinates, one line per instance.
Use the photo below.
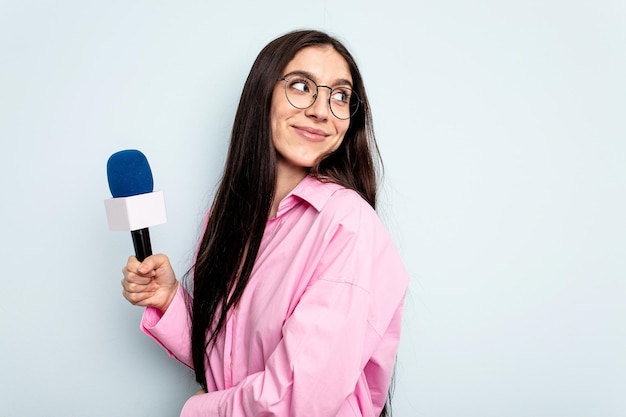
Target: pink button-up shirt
(318, 325)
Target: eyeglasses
(302, 92)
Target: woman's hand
(151, 283)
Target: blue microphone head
(129, 174)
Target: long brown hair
(242, 204)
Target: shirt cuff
(171, 329)
(152, 316)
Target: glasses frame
(353, 96)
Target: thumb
(152, 263)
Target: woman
(297, 289)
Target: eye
(301, 85)
(341, 95)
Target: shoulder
(352, 227)
(343, 218)
(347, 207)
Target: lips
(310, 133)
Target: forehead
(322, 62)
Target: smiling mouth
(310, 133)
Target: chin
(306, 163)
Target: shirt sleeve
(171, 330)
(340, 323)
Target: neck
(287, 177)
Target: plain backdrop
(502, 125)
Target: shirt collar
(311, 190)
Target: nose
(321, 106)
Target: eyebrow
(341, 81)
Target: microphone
(134, 206)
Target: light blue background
(502, 125)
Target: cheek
(342, 129)
(276, 111)
(280, 116)
(338, 143)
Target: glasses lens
(300, 92)
(343, 102)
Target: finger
(134, 287)
(132, 263)
(138, 299)
(139, 279)
(152, 263)
(131, 273)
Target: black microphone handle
(141, 242)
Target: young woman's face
(302, 137)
